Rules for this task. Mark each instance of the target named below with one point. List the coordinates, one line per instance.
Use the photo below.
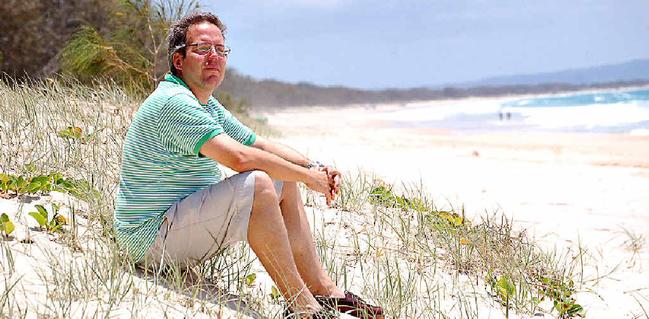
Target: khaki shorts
(205, 222)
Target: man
(172, 205)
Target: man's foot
(321, 314)
(352, 305)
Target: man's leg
(302, 244)
(269, 240)
(308, 263)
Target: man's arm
(281, 150)
(240, 158)
(293, 156)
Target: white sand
(562, 188)
(47, 270)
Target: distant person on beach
(173, 207)
(508, 115)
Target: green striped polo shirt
(161, 162)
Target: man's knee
(264, 186)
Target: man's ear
(178, 61)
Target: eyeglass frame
(213, 46)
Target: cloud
(317, 3)
(300, 3)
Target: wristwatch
(313, 164)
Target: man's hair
(178, 33)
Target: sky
(417, 43)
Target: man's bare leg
(269, 240)
(302, 245)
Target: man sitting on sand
(174, 207)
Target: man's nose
(213, 58)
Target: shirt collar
(174, 79)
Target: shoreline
(400, 105)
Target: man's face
(202, 72)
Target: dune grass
(389, 243)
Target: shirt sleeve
(235, 129)
(184, 125)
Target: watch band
(313, 164)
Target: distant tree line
(274, 94)
(124, 41)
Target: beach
(578, 197)
(566, 190)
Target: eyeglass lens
(205, 48)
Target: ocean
(619, 111)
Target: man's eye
(203, 48)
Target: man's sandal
(351, 305)
(322, 314)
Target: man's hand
(319, 182)
(335, 179)
(325, 180)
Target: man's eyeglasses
(203, 48)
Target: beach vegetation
(74, 133)
(505, 290)
(6, 225)
(131, 50)
(643, 303)
(17, 185)
(634, 243)
(561, 294)
(274, 293)
(7, 308)
(51, 221)
(250, 279)
(519, 275)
